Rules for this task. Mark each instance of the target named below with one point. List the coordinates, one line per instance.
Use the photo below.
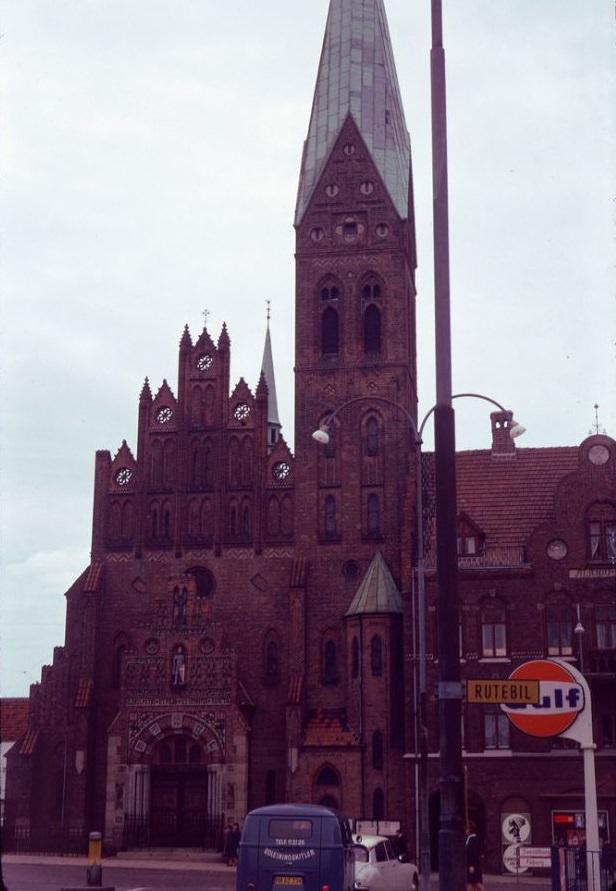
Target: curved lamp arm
(322, 436)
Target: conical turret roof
(378, 593)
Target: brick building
(246, 631)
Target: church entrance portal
(179, 814)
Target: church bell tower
(355, 291)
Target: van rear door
(290, 853)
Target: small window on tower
(350, 230)
(329, 331)
(372, 330)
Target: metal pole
(424, 824)
(451, 859)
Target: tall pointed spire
(267, 370)
(357, 76)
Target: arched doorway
(179, 794)
(175, 795)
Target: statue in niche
(178, 667)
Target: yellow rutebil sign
(483, 690)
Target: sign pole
(581, 731)
(566, 710)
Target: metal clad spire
(357, 76)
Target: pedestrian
(232, 844)
(400, 846)
(474, 872)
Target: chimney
(503, 444)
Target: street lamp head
(579, 628)
(516, 429)
(321, 435)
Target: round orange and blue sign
(561, 699)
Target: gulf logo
(561, 699)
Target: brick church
(247, 630)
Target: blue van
(295, 847)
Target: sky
(150, 153)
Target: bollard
(94, 871)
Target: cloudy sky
(150, 153)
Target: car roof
(369, 840)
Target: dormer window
(470, 538)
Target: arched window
(127, 521)
(376, 656)
(355, 658)
(329, 331)
(378, 805)
(156, 465)
(206, 518)
(234, 462)
(272, 663)
(233, 523)
(330, 292)
(377, 750)
(286, 515)
(119, 655)
(273, 516)
(330, 663)
(168, 464)
(373, 518)
(180, 750)
(246, 469)
(371, 291)
(203, 580)
(330, 515)
(372, 329)
(166, 530)
(493, 629)
(246, 519)
(196, 407)
(372, 437)
(328, 777)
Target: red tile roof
(93, 576)
(84, 691)
(13, 718)
(506, 496)
(296, 682)
(328, 727)
(29, 742)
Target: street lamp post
(449, 655)
(451, 852)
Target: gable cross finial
(205, 313)
(269, 304)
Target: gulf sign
(561, 699)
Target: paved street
(34, 873)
